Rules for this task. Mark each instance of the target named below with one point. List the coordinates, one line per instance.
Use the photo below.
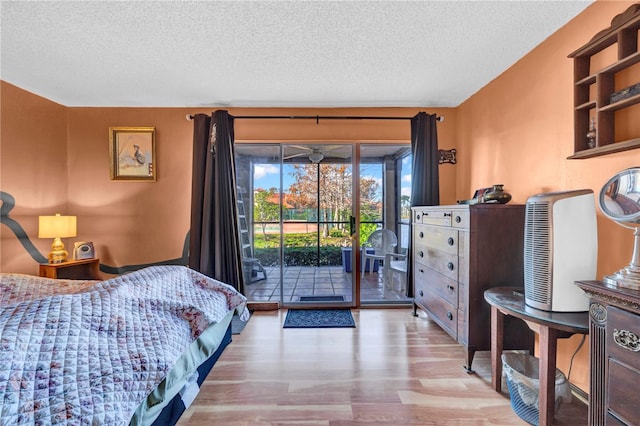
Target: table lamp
(57, 227)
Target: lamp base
(625, 278)
(58, 254)
(629, 276)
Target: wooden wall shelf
(606, 149)
(592, 90)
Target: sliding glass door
(298, 208)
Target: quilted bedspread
(89, 352)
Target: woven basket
(521, 371)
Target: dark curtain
(425, 180)
(214, 245)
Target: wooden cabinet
(614, 334)
(603, 69)
(86, 269)
(457, 253)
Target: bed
(128, 350)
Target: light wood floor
(392, 369)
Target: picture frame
(132, 153)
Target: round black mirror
(620, 201)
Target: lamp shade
(56, 226)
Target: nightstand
(85, 269)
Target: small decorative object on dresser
(497, 195)
(459, 252)
(478, 196)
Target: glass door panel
(385, 189)
(317, 209)
(258, 180)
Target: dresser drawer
(442, 239)
(622, 401)
(460, 219)
(442, 312)
(443, 263)
(623, 337)
(428, 279)
(433, 217)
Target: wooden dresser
(614, 338)
(460, 251)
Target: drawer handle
(418, 216)
(421, 253)
(447, 214)
(450, 266)
(449, 315)
(421, 234)
(421, 293)
(450, 287)
(458, 219)
(425, 213)
(451, 241)
(626, 339)
(421, 271)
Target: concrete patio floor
(322, 281)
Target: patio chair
(378, 244)
(395, 268)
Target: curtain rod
(318, 117)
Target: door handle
(352, 225)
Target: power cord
(584, 336)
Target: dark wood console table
(550, 326)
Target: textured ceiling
(315, 53)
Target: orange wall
(33, 169)
(518, 130)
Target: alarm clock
(83, 250)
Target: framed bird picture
(132, 153)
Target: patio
(322, 281)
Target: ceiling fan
(315, 154)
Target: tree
(264, 209)
(405, 205)
(303, 193)
(335, 193)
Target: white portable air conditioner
(560, 247)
